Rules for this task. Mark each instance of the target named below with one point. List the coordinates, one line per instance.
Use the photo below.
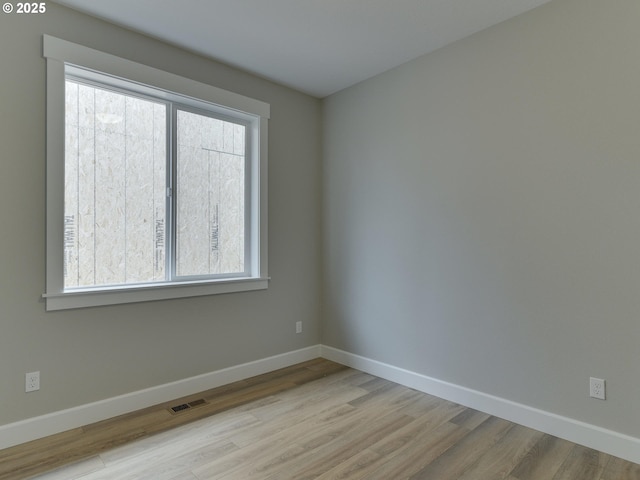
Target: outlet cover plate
(32, 382)
(597, 388)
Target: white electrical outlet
(32, 382)
(597, 388)
(298, 327)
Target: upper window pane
(210, 197)
(115, 188)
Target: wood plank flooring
(315, 420)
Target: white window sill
(150, 292)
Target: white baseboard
(56, 422)
(591, 436)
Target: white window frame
(58, 54)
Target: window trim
(59, 53)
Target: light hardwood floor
(316, 420)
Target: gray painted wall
(91, 354)
(481, 212)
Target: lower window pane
(210, 182)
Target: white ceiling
(316, 46)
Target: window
(156, 184)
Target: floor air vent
(186, 406)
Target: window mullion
(172, 155)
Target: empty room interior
(461, 222)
